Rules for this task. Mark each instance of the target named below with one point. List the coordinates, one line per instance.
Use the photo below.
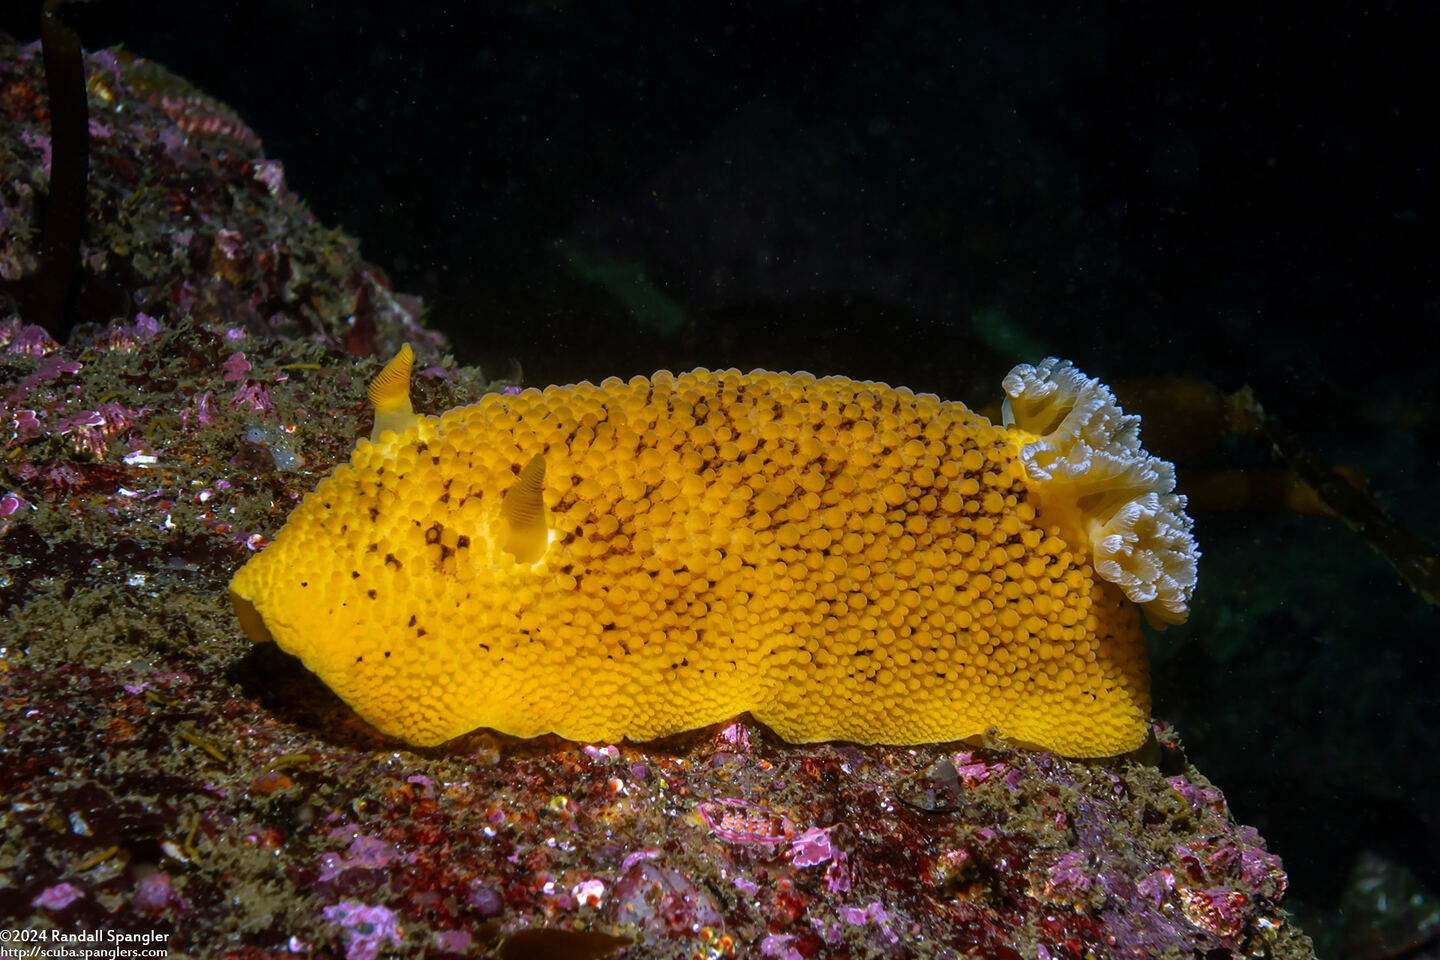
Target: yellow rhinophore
(389, 395)
(842, 559)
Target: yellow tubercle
(841, 559)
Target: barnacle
(842, 559)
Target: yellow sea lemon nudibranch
(841, 559)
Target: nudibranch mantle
(839, 558)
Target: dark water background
(926, 194)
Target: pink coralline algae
(49, 370)
(155, 894)
(1218, 910)
(1197, 796)
(485, 901)
(589, 893)
(253, 397)
(58, 897)
(811, 848)
(272, 174)
(235, 366)
(664, 899)
(366, 929)
(453, 941)
(970, 771)
(12, 503)
(837, 874)
(368, 853)
(201, 409)
(129, 337)
(92, 430)
(871, 913)
(779, 945)
(25, 339)
(1070, 871)
(26, 424)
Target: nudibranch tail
(390, 395)
(1097, 482)
(527, 530)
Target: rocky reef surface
(162, 777)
